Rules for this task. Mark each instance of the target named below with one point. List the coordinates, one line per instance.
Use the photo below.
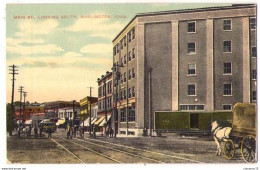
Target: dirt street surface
(167, 149)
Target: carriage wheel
(248, 148)
(229, 149)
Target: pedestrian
(48, 130)
(94, 132)
(35, 131)
(68, 132)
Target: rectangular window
(129, 74)
(121, 44)
(192, 26)
(123, 115)
(254, 75)
(227, 89)
(227, 106)
(253, 95)
(133, 91)
(227, 24)
(124, 77)
(129, 56)
(121, 61)
(133, 72)
(124, 94)
(121, 95)
(129, 93)
(129, 37)
(131, 116)
(125, 60)
(191, 69)
(133, 53)
(252, 23)
(117, 47)
(228, 68)
(114, 50)
(191, 48)
(253, 51)
(191, 89)
(124, 41)
(121, 78)
(226, 46)
(191, 107)
(133, 33)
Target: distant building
(85, 107)
(184, 60)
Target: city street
(171, 148)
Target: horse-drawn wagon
(243, 134)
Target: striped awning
(104, 121)
(99, 120)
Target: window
(133, 91)
(99, 92)
(121, 61)
(129, 74)
(192, 26)
(104, 90)
(121, 95)
(191, 69)
(125, 60)
(124, 41)
(133, 33)
(129, 93)
(227, 107)
(109, 87)
(129, 56)
(129, 37)
(117, 48)
(227, 24)
(121, 44)
(252, 23)
(124, 77)
(133, 53)
(123, 115)
(253, 95)
(133, 72)
(228, 68)
(191, 48)
(226, 46)
(227, 89)
(191, 107)
(191, 89)
(124, 94)
(253, 51)
(121, 78)
(131, 116)
(114, 50)
(254, 75)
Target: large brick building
(195, 59)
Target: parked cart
(243, 135)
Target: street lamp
(116, 93)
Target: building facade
(184, 60)
(85, 107)
(52, 109)
(105, 96)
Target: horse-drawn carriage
(243, 134)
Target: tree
(9, 117)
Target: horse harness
(215, 132)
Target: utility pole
(13, 72)
(21, 96)
(73, 110)
(150, 102)
(90, 126)
(24, 95)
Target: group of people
(27, 130)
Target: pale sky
(59, 58)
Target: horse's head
(214, 125)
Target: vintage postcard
(131, 83)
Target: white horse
(220, 134)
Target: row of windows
(122, 44)
(131, 93)
(102, 105)
(131, 114)
(227, 25)
(131, 74)
(102, 89)
(131, 56)
(227, 48)
(227, 89)
(201, 107)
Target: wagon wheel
(248, 148)
(229, 149)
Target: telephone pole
(21, 96)
(13, 72)
(90, 126)
(24, 95)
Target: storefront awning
(99, 120)
(60, 122)
(28, 122)
(93, 121)
(103, 123)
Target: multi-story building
(52, 109)
(105, 96)
(195, 59)
(85, 107)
